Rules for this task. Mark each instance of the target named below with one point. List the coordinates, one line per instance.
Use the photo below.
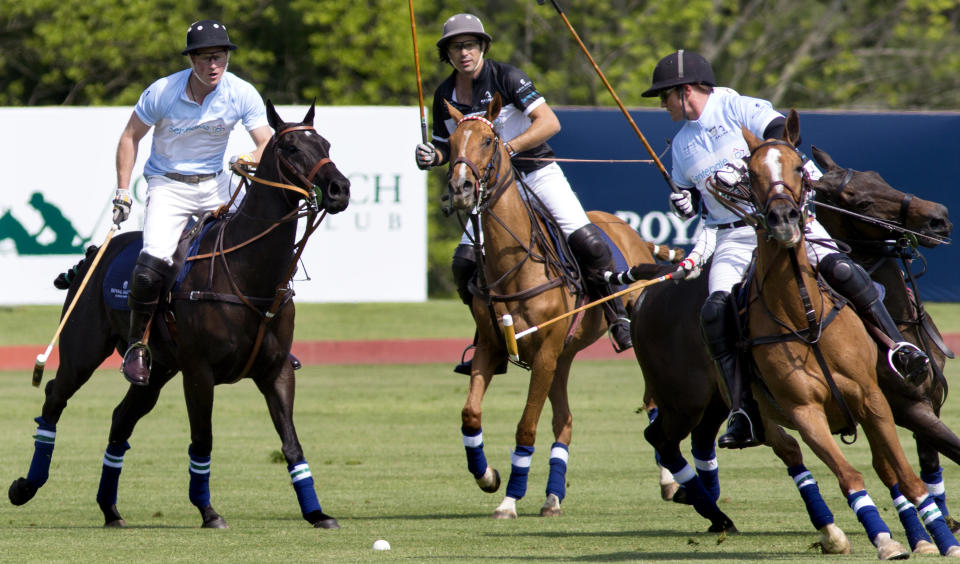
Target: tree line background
(823, 54)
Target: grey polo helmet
(207, 33)
(458, 24)
(681, 67)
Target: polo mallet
(510, 337)
(656, 159)
(416, 64)
(42, 358)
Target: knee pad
(464, 266)
(590, 248)
(716, 317)
(849, 279)
(147, 282)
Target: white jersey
(703, 146)
(191, 138)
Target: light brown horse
(521, 275)
(821, 373)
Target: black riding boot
(149, 278)
(464, 267)
(718, 320)
(852, 282)
(590, 248)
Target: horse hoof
(954, 525)
(118, 524)
(833, 540)
(504, 514)
(551, 507)
(21, 491)
(668, 490)
(722, 524)
(212, 519)
(680, 496)
(507, 509)
(927, 547)
(889, 549)
(490, 481)
(321, 520)
(953, 552)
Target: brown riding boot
(146, 284)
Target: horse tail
(64, 279)
(664, 252)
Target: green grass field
(384, 446)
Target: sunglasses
(666, 93)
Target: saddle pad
(192, 251)
(116, 283)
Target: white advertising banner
(59, 177)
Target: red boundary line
(399, 351)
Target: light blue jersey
(702, 146)
(191, 138)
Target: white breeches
(551, 186)
(735, 249)
(171, 204)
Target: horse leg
(832, 538)
(893, 469)
(138, 401)
(198, 393)
(471, 418)
(702, 441)
(696, 493)
(562, 432)
(811, 421)
(279, 393)
(541, 380)
(932, 475)
(77, 364)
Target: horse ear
(752, 141)
(308, 119)
(823, 159)
(791, 131)
(272, 117)
(454, 113)
(493, 110)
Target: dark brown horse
(233, 318)
(684, 384)
(523, 277)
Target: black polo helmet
(681, 67)
(207, 33)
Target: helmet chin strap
(193, 67)
(683, 103)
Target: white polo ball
(381, 544)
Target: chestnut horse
(234, 317)
(815, 361)
(523, 281)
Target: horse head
(474, 147)
(868, 194)
(778, 183)
(302, 158)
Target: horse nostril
(773, 219)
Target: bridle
(904, 203)
(490, 172)
(783, 190)
(306, 181)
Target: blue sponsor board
(914, 152)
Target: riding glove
(427, 156)
(731, 173)
(245, 159)
(121, 205)
(682, 203)
(688, 270)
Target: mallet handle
(653, 154)
(416, 64)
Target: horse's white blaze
(462, 172)
(773, 164)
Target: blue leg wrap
(302, 481)
(867, 514)
(698, 495)
(935, 523)
(473, 444)
(199, 480)
(652, 414)
(42, 453)
(820, 514)
(705, 459)
(908, 518)
(936, 489)
(110, 473)
(519, 469)
(557, 482)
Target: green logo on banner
(66, 239)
